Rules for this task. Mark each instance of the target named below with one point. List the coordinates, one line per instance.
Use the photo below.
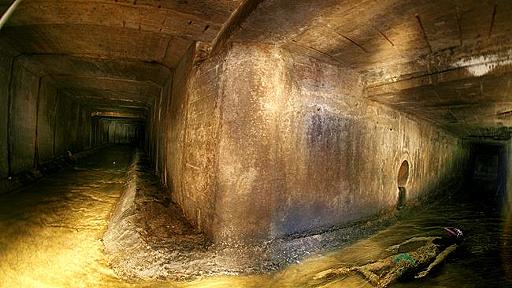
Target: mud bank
(149, 238)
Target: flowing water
(51, 237)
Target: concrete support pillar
(251, 103)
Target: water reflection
(51, 235)
(51, 230)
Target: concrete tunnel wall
(159, 127)
(254, 144)
(260, 144)
(39, 123)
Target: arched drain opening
(401, 197)
(403, 176)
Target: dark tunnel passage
(117, 130)
(266, 143)
(488, 173)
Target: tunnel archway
(402, 178)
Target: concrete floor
(52, 230)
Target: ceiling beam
(61, 64)
(473, 67)
(118, 15)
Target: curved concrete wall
(266, 144)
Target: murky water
(51, 231)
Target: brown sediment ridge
(149, 238)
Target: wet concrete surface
(52, 230)
(148, 238)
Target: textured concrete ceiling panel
(458, 100)
(96, 103)
(113, 15)
(97, 98)
(158, 31)
(93, 41)
(116, 54)
(63, 65)
(119, 89)
(215, 10)
(368, 34)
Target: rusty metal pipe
(8, 13)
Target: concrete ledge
(149, 238)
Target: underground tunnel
(255, 143)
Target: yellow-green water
(51, 237)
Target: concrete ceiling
(149, 31)
(449, 62)
(365, 34)
(111, 52)
(102, 84)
